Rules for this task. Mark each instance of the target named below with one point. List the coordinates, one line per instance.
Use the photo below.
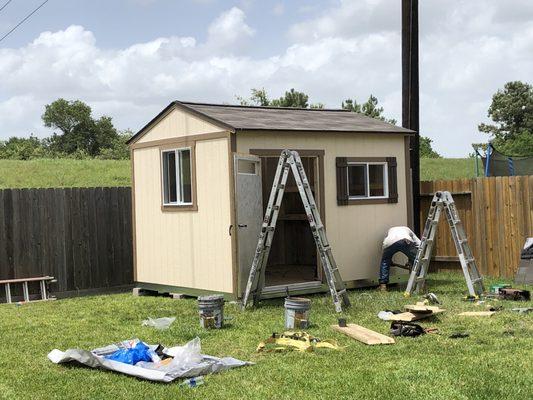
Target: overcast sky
(129, 58)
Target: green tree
(23, 148)
(369, 108)
(119, 150)
(426, 150)
(292, 98)
(511, 111)
(81, 134)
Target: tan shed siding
(355, 231)
(178, 123)
(185, 248)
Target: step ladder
(290, 160)
(443, 201)
(43, 283)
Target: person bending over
(399, 239)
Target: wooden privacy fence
(497, 213)
(81, 236)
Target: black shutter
(342, 181)
(393, 179)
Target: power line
(4, 6)
(24, 20)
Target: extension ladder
(43, 281)
(290, 160)
(443, 201)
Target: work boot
(382, 287)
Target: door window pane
(376, 180)
(357, 180)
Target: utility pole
(410, 104)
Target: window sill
(179, 207)
(380, 200)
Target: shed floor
(288, 274)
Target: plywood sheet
(363, 334)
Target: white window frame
(367, 180)
(179, 188)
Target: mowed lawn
(44, 173)
(493, 363)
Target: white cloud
(350, 50)
(228, 30)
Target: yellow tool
(300, 341)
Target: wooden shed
(201, 177)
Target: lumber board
(477, 313)
(409, 316)
(363, 334)
(421, 308)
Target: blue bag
(140, 352)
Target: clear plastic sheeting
(187, 362)
(159, 323)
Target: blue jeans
(402, 246)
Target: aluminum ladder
(43, 281)
(290, 160)
(443, 201)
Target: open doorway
(293, 256)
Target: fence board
(497, 214)
(81, 236)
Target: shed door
(249, 205)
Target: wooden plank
(102, 234)
(409, 316)
(126, 264)
(4, 266)
(512, 248)
(477, 313)
(363, 334)
(91, 238)
(530, 195)
(60, 240)
(115, 229)
(69, 220)
(489, 209)
(498, 225)
(422, 308)
(9, 244)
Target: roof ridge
(263, 107)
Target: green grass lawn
(493, 363)
(448, 168)
(45, 173)
(85, 173)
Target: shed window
(371, 180)
(367, 180)
(177, 187)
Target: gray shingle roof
(275, 118)
(235, 118)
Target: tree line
(77, 134)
